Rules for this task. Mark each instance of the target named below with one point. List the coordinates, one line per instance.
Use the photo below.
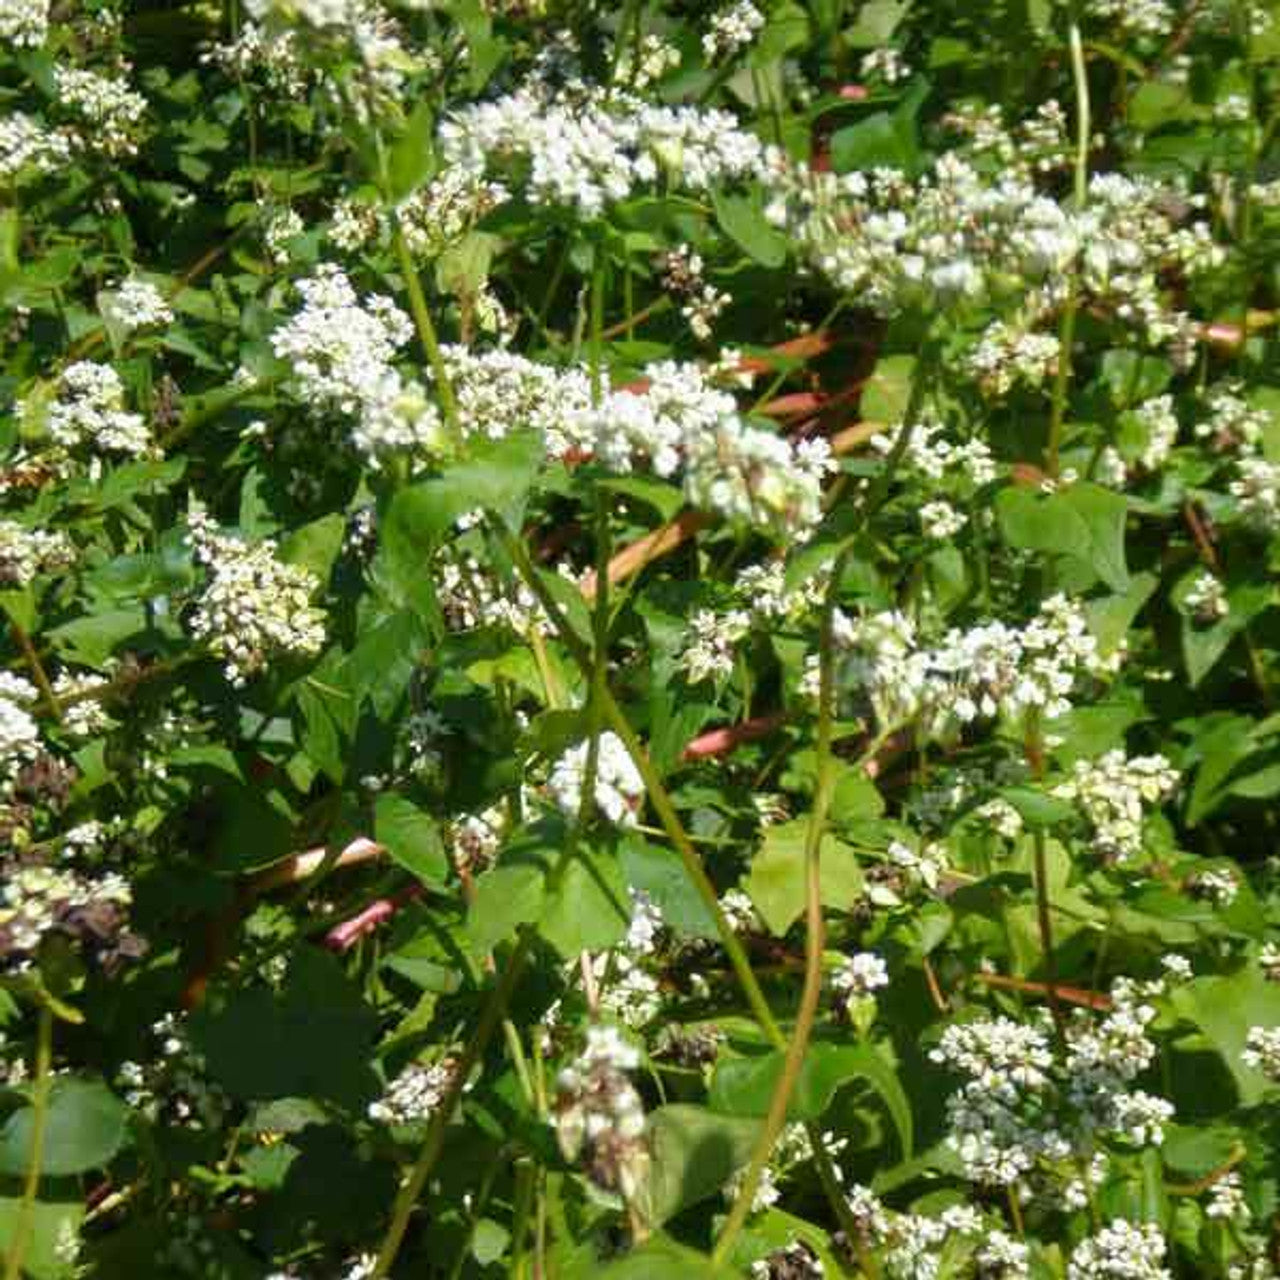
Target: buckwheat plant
(639, 639)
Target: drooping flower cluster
(599, 1117)
(619, 788)
(254, 607)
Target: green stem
(35, 1158)
(659, 797)
(433, 1144)
(807, 1013)
(38, 673)
(426, 329)
(1067, 326)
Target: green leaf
(54, 1221)
(658, 1259)
(1083, 521)
(85, 1128)
(586, 907)
(659, 872)
(776, 881)
(693, 1153)
(312, 1039)
(412, 158)
(315, 546)
(1225, 1007)
(888, 389)
(744, 1086)
(742, 218)
(496, 478)
(411, 838)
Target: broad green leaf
(776, 881)
(411, 158)
(1225, 1007)
(85, 1128)
(411, 838)
(693, 1153)
(743, 220)
(744, 1086)
(1083, 521)
(54, 1221)
(658, 872)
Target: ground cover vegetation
(639, 639)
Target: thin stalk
(815, 934)
(1067, 326)
(38, 673)
(426, 329)
(659, 797)
(478, 1206)
(35, 1158)
(490, 1017)
(525, 1182)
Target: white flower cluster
(619, 789)
(273, 53)
(26, 552)
(1007, 356)
(1150, 18)
(109, 111)
(644, 65)
(1262, 1051)
(1206, 599)
(89, 411)
(27, 146)
(1157, 424)
(1113, 792)
(470, 596)
(988, 670)
(253, 607)
(955, 234)
(442, 212)
(700, 301)
(1027, 1111)
(414, 1094)
(280, 226)
(19, 733)
(940, 521)
(886, 63)
(499, 392)
(474, 840)
(586, 148)
(24, 23)
(1232, 423)
(731, 29)
(913, 1246)
(932, 456)
(628, 992)
(599, 1114)
(859, 976)
(710, 644)
(135, 304)
(84, 716)
(763, 590)
(1038, 144)
(795, 1261)
(1218, 885)
(35, 899)
(1120, 1251)
(340, 350)
(1256, 490)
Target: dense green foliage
(639, 640)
